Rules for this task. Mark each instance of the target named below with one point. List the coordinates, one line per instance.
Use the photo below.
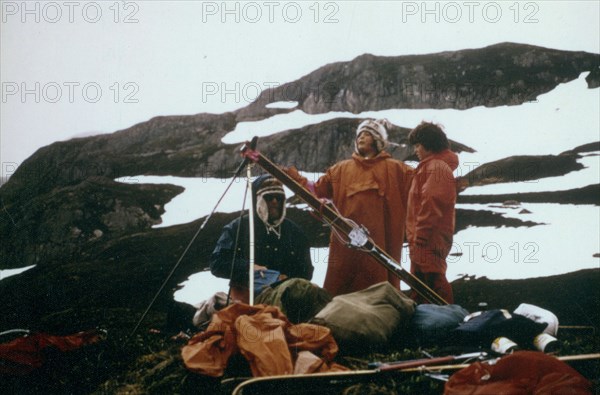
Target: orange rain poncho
(373, 193)
(265, 337)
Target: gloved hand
(295, 175)
(250, 153)
(293, 172)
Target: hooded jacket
(373, 193)
(430, 219)
(284, 249)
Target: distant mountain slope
(92, 238)
(501, 74)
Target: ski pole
(239, 169)
(413, 363)
(252, 240)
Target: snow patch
(283, 104)
(6, 273)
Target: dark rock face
(56, 225)
(521, 168)
(180, 145)
(502, 74)
(582, 149)
(91, 237)
(481, 218)
(314, 148)
(585, 195)
(73, 179)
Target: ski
(358, 236)
(333, 382)
(415, 363)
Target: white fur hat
(377, 129)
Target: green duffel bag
(366, 319)
(298, 299)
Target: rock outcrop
(501, 74)
(91, 237)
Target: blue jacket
(289, 255)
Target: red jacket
(372, 192)
(430, 218)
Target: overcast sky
(78, 68)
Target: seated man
(279, 243)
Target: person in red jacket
(431, 201)
(371, 188)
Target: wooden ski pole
(389, 366)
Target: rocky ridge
(91, 237)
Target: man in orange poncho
(430, 220)
(371, 189)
